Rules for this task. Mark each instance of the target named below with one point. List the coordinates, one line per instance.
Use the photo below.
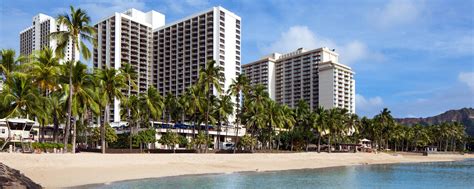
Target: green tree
(318, 120)
(248, 142)
(288, 120)
(111, 82)
(240, 85)
(110, 135)
(82, 98)
(201, 140)
(170, 139)
(274, 118)
(130, 75)
(152, 104)
(145, 137)
(210, 78)
(78, 30)
(9, 62)
(302, 117)
(19, 98)
(224, 109)
(44, 71)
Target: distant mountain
(464, 116)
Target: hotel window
(3, 131)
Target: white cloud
(460, 45)
(396, 12)
(467, 78)
(368, 106)
(302, 36)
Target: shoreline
(255, 172)
(90, 169)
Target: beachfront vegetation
(39, 87)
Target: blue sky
(414, 57)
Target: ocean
(458, 175)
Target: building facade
(169, 57)
(36, 37)
(182, 48)
(127, 38)
(315, 76)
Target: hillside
(464, 116)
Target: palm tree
(83, 100)
(385, 122)
(45, 71)
(302, 112)
(318, 120)
(19, 98)
(288, 120)
(239, 85)
(9, 62)
(255, 109)
(396, 136)
(210, 78)
(132, 113)
(333, 120)
(170, 106)
(152, 103)
(224, 109)
(274, 118)
(193, 104)
(78, 29)
(57, 105)
(130, 75)
(111, 82)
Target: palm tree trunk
(69, 105)
(236, 129)
(207, 122)
(271, 134)
(128, 118)
(130, 137)
(55, 127)
(329, 144)
(73, 140)
(278, 145)
(103, 129)
(236, 136)
(42, 131)
(219, 134)
(446, 146)
(319, 143)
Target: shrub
(49, 146)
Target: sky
(414, 57)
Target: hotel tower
(36, 37)
(315, 76)
(169, 56)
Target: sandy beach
(66, 170)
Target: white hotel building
(169, 56)
(127, 38)
(36, 37)
(315, 76)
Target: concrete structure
(315, 76)
(226, 135)
(37, 37)
(336, 86)
(17, 130)
(170, 56)
(184, 47)
(127, 38)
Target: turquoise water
(458, 174)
